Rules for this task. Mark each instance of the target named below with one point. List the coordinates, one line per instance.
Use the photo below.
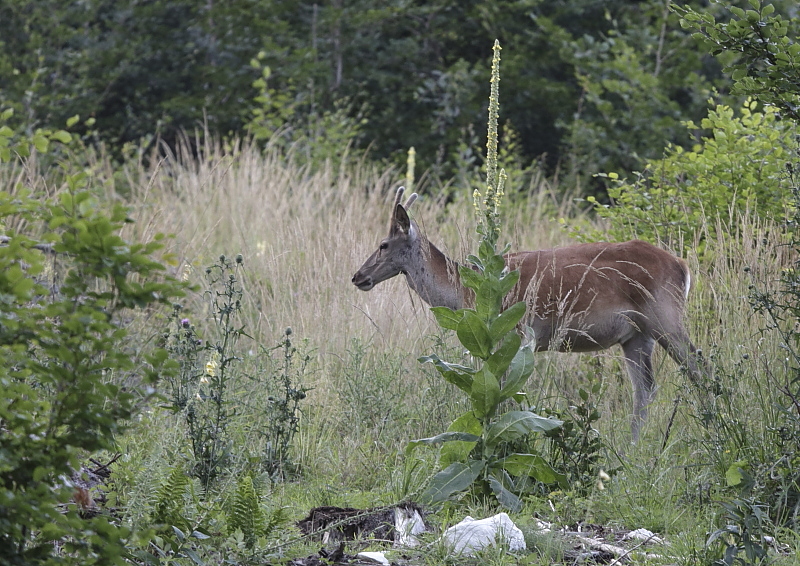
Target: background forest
(187, 187)
(589, 86)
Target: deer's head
(394, 252)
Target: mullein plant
(476, 446)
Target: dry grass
(304, 233)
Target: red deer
(580, 298)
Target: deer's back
(599, 292)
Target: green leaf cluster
(68, 284)
(169, 505)
(476, 443)
(740, 165)
(246, 514)
(761, 50)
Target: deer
(579, 298)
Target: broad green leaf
(458, 451)
(441, 438)
(488, 299)
(501, 358)
(474, 260)
(466, 423)
(518, 373)
(40, 142)
(62, 136)
(505, 497)
(453, 479)
(495, 264)
(491, 260)
(515, 424)
(507, 320)
(72, 120)
(531, 465)
(508, 281)
(193, 556)
(735, 475)
(470, 278)
(458, 375)
(485, 393)
(474, 335)
(447, 318)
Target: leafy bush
(576, 447)
(68, 284)
(766, 55)
(297, 124)
(748, 162)
(739, 166)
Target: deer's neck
(435, 278)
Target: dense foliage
(71, 381)
(593, 86)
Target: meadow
(282, 387)
(302, 234)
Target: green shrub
(68, 284)
(738, 166)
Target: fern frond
(246, 514)
(170, 500)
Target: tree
(65, 353)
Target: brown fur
(580, 298)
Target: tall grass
(303, 233)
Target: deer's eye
(383, 246)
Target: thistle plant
(208, 412)
(479, 442)
(205, 388)
(184, 345)
(283, 409)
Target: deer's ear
(401, 220)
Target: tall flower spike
(494, 112)
(489, 219)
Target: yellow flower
(211, 365)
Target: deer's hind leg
(639, 361)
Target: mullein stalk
(486, 207)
